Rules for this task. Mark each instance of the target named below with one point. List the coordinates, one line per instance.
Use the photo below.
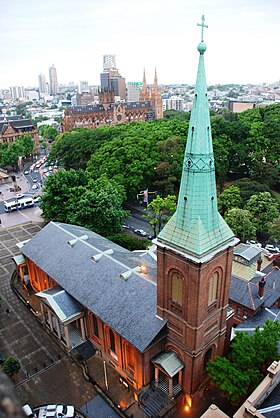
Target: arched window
(177, 289)
(207, 357)
(213, 288)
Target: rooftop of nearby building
(93, 270)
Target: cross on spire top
(202, 26)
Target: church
(107, 112)
(157, 316)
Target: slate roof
(127, 306)
(246, 292)
(100, 108)
(258, 320)
(64, 305)
(22, 123)
(272, 402)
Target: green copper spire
(197, 226)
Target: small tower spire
(144, 85)
(155, 80)
(197, 226)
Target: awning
(169, 362)
(19, 259)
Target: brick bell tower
(194, 255)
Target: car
(66, 411)
(35, 180)
(271, 248)
(26, 172)
(255, 243)
(126, 226)
(140, 232)
(34, 187)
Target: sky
(242, 40)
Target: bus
(18, 204)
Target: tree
(275, 229)
(59, 189)
(11, 366)
(241, 223)
(238, 375)
(100, 211)
(229, 199)
(249, 187)
(159, 211)
(264, 209)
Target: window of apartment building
(177, 289)
(213, 289)
(238, 311)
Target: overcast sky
(242, 40)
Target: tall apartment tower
(42, 84)
(53, 80)
(17, 92)
(109, 62)
(194, 255)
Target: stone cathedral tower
(195, 254)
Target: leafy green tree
(27, 144)
(11, 366)
(59, 190)
(264, 209)
(101, 211)
(275, 229)
(229, 379)
(229, 199)
(159, 211)
(238, 375)
(48, 132)
(249, 187)
(241, 223)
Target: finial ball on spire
(201, 47)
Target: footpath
(18, 217)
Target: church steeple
(144, 85)
(197, 227)
(155, 80)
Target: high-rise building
(42, 84)
(53, 80)
(16, 92)
(133, 91)
(109, 62)
(84, 87)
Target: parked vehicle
(18, 204)
(255, 243)
(271, 248)
(140, 232)
(34, 187)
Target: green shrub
(129, 242)
(11, 366)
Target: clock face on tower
(119, 117)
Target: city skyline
(75, 36)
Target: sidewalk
(17, 217)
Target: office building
(133, 89)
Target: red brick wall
(195, 328)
